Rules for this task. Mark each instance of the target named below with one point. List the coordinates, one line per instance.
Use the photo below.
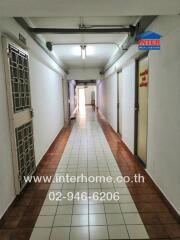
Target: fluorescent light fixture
(90, 50)
(76, 50)
(83, 51)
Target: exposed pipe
(89, 43)
(101, 26)
(50, 45)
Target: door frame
(136, 105)
(5, 43)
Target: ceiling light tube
(83, 51)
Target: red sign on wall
(144, 78)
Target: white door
(20, 112)
(143, 109)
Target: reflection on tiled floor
(88, 152)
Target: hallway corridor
(87, 152)
(89, 119)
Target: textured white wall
(6, 170)
(107, 99)
(107, 102)
(163, 161)
(100, 96)
(47, 102)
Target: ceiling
(97, 55)
(73, 22)
(68, 14)
(100, 47)
(50, 8)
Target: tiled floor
(88, 152)
(140, 213)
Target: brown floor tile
(157, 231)
(39, 186)
(144, 198)
(33, 210)
(151, 207)
(37, 202)
(21, 234)
(5, 234)
(166, 218)
(150, 218)
(27, 222)
(10, 222)
(15, 211)
(173, 230)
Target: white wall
(47, 101)
(72, 96)
(107, 99)
(6, 170)
(163, 161)
(100, 96)
(84, 74)
(88, 91)
(128, 97)
(120, 93)
(65, 98)
(107, 95)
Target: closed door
(20, 112)
(142, 109)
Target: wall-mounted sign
(22, 38)
(149, 41)
(143, 78)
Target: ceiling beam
(80, 82)
(50, 45)
(130, 29)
